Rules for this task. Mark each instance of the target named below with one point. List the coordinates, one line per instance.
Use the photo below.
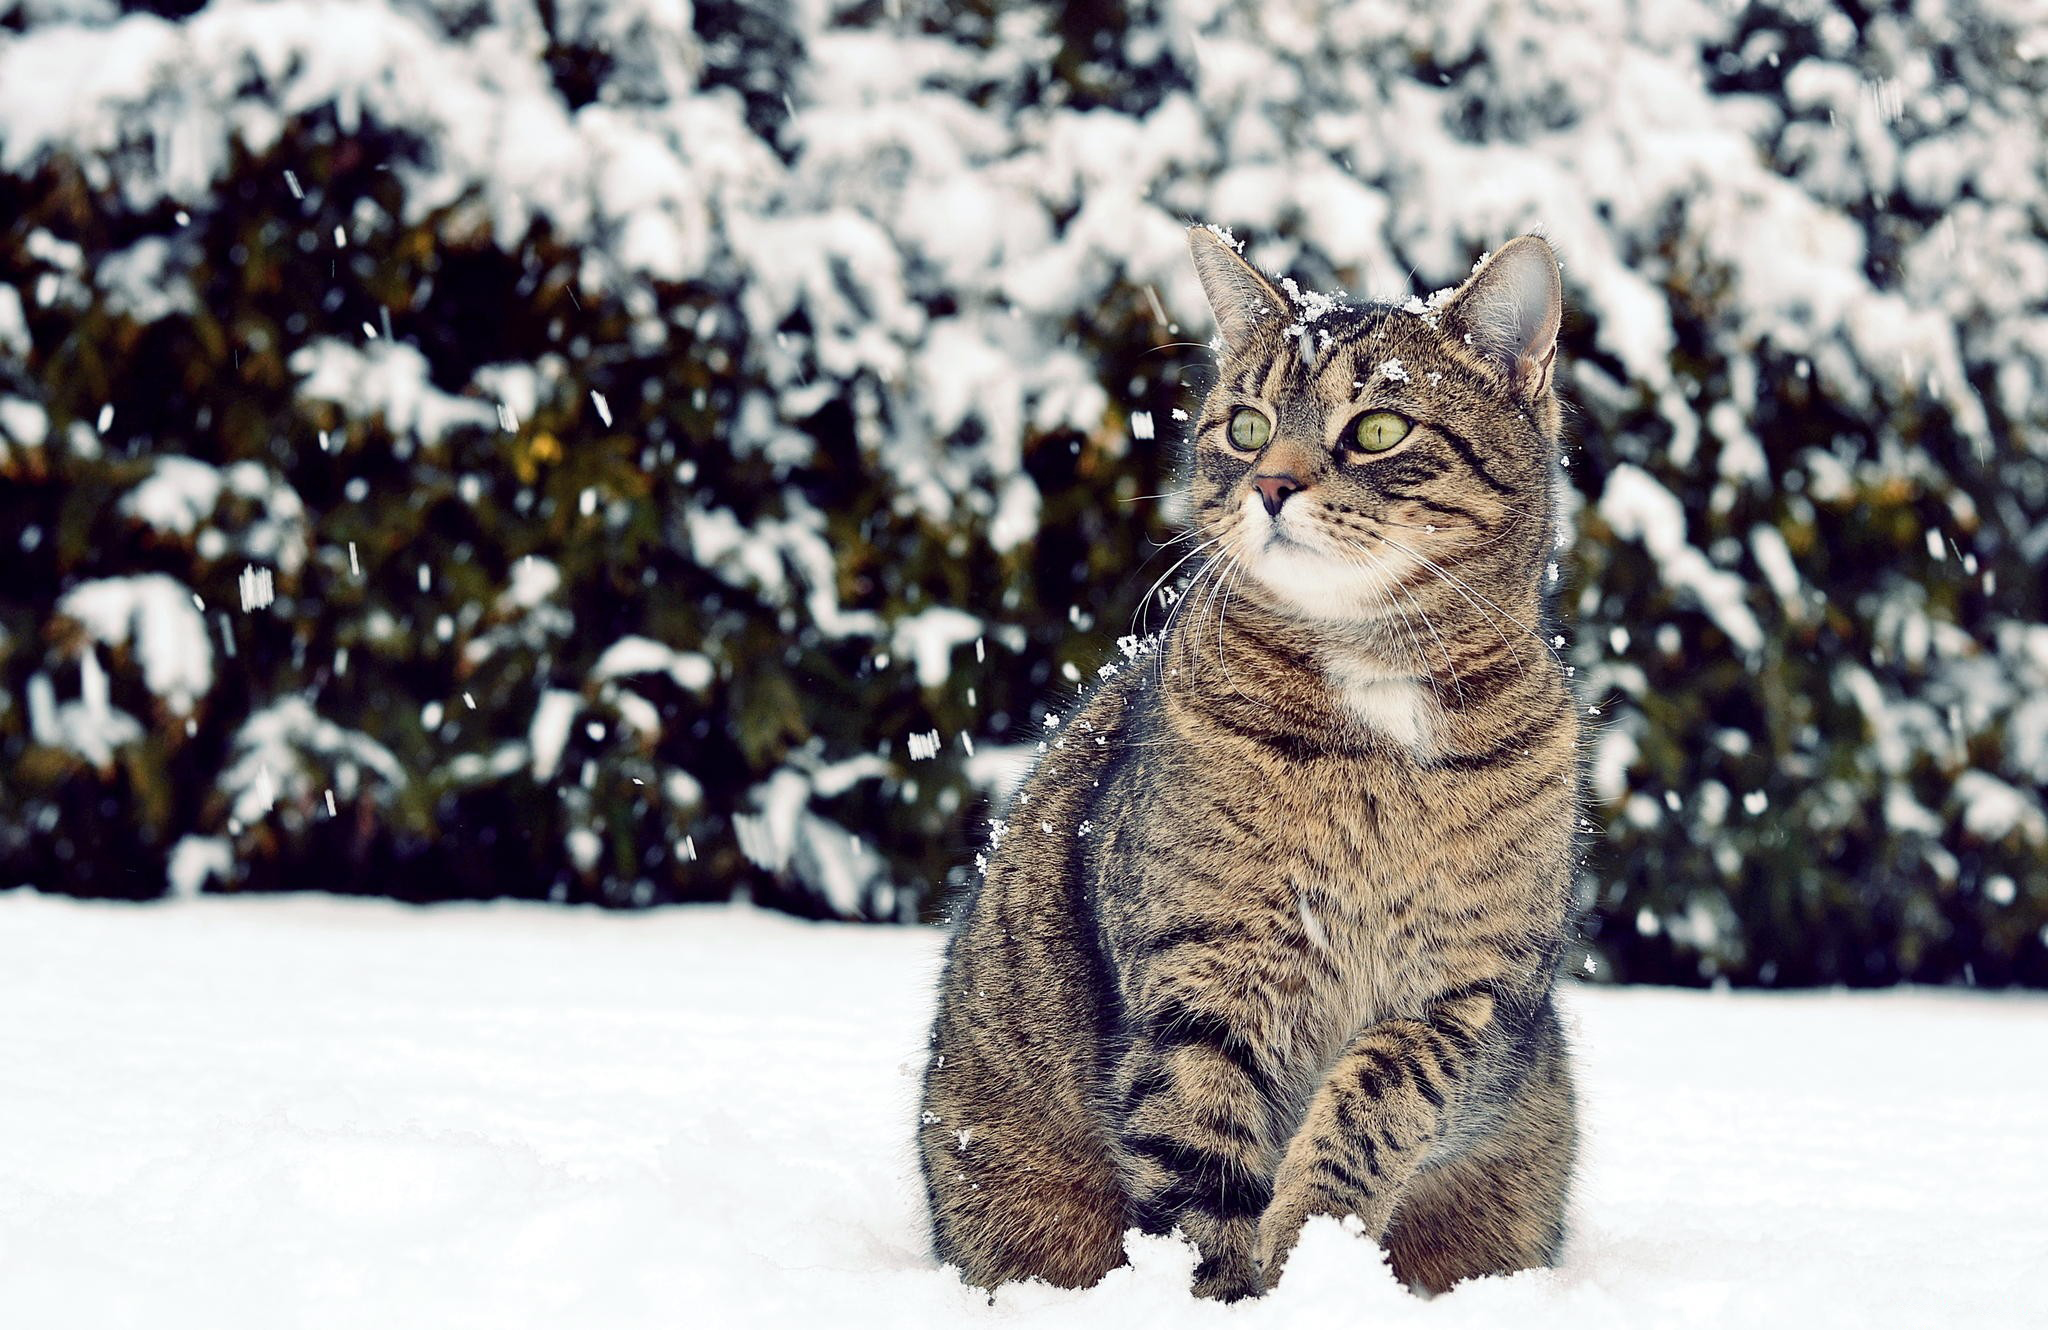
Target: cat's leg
(1499, 1206)
(1388, 1099)
(1018, 1188)
(1196, 1141)
(1017, 1163)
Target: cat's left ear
(1509, 310)
(1240, 296)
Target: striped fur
(1276, 925)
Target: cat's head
(1344, 450)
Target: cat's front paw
(1228, 1278)
(1279, 1230)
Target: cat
(1274, 928)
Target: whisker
(1188, 593)
(1442, 575)
(1457, 684)
(1144, 605)
(1383, 581)
(1188, 534)
(1237, 572)
(1230, 562)
(1458, 585)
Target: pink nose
(1275, 489)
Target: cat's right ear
(1508, 311)
(1240, 296)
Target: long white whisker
(1386, 584)
(1236, 574)
(1215, 584)
(1457, 684)
(1187, 593)
(1458, 585)
(1455, 581)
(1383, 583)
(1145, 605)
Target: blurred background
(629, 452)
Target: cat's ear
(1508, 311)
(1240, 296)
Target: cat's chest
(1349, 887)
(1297, 892)
(1339, 879)
(1395, 710)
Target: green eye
(1249, 430)
(1378, 431)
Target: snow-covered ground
(310, 1112)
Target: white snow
(387, 379)
(643, 655)
(549, 732)
(755, 556)
(585, 846)
(1016, 515)
(1993, 809)
(14, 338)
(180, 495)
(930, 637)
(2028, 736)
(285, 752)
(87, 725)
(1638, 508)
(302, 1111)
(534, 579)
(768, 836)
(258, 588)
(145, 282)
(22, 421)
(1774, 558)
(1614, 752)
(826, 857)
(152, 614)
(194, 859)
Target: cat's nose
(1275, 489)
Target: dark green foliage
(1764, 829)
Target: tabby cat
(1273, 929)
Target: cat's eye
(1249, 430)
(1377, 431)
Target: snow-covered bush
(658, 422)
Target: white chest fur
(1396, 708)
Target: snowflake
(1310, 306)
(1429, 308)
